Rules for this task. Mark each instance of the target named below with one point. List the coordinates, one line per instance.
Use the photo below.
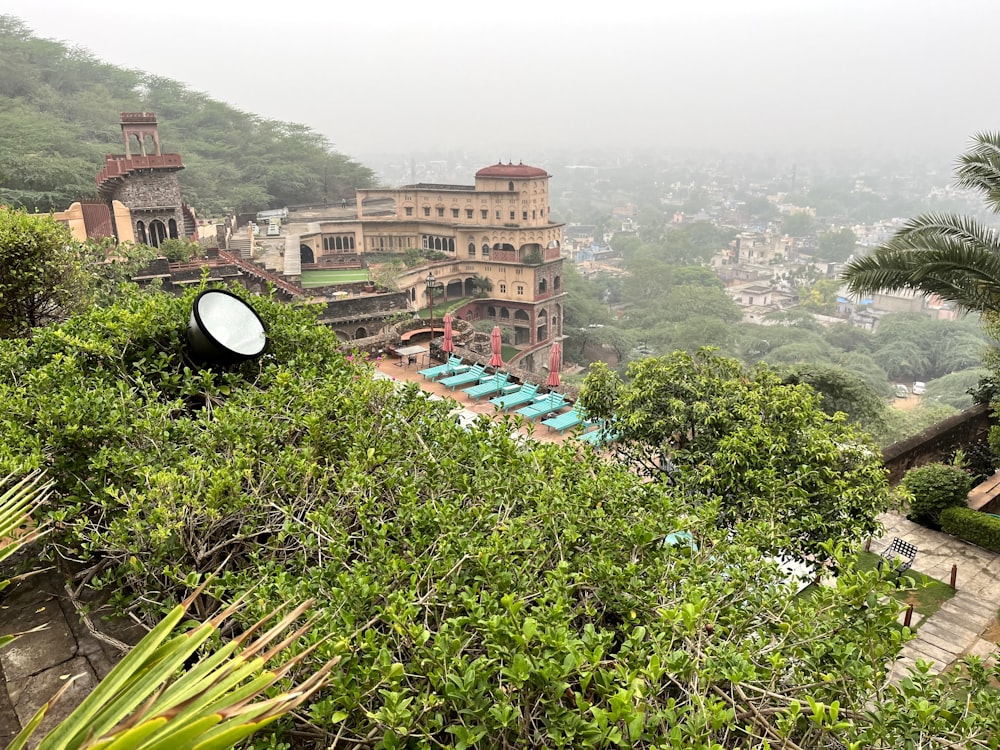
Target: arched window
(472, 249)
(504, 313)
(140, 231)
(306, 254)
(556, 282)
(542, 286)
(491, 311)
(510, 186)
(451, 244)
(486, 250)
(172, 228)
(157, 232)
(326, 244)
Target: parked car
(919, 388)
(902, 391)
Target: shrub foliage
(477, 590)
(973, 526)
(933, 488)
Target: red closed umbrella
(496, 344)
(448, 346)
(555, 362)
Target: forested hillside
(59, 112)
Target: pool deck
(390, 368)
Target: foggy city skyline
(519, 79)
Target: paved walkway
(957, 628)
(34, 667)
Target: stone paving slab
(35, 666)
(956, 628)
(949, 631)
(925, 650)
(947, 641)
(986, 650)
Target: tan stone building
(502, 249)
(140, 195)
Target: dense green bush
(973, 526)
(476, 588)
(933, 488)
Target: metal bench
(899, 554)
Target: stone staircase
(950, 633)
(241, 246)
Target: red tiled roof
(511, 170)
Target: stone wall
(152, 190)
(939, 441)
(353, 308)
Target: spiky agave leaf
(17, 503)
(149, 701)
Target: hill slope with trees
(59, 113)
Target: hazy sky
(521, 76)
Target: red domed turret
(511, 170)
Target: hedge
(972, 526)
(935, 487)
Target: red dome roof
(511, 170)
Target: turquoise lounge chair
(493, 385)
(551, 402)
(525, 395)
(448, 368)
(470, 376)
(565, 421)
(599, 437)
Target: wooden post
(908, 616)
(954, 575)
(868, 544)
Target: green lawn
(333, 276)
(926, 594)
(441, 307)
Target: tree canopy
(40, 280)
(60, 115)
(763, 448)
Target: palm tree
(954, 257)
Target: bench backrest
(900, 548)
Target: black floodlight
(224, 329)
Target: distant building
(140, 196)
(759, 248)
(145, 181)
(501, 249)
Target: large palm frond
(954, 257)
(979, 168)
